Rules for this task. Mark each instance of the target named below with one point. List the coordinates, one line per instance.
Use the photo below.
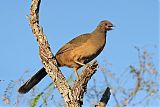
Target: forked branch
(72, 96)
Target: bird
(76, 53)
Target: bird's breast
(89, 50)
(96, 45)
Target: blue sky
(136, 24)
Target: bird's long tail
(33, 81)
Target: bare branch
(46, 55)
(72, 97)
(105, 98)
(80, 86)
(137, 87)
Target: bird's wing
(76, 42)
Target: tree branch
(105, 98)
(80, 86)
(72, 96)
(45, 53)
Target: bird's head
(105, 25)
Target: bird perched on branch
(75, 53)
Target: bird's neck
(100, 33)
(100, 30)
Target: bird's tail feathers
(32, 81)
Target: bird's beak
(112, 27)
(109, 27)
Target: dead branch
(72, 96)
(105, 98)
(45, 53)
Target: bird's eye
(106, 24)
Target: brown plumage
(75, 53)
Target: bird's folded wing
(76, 42)
(65, 48)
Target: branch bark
(45, 53)
(105, 98)
(73, 97)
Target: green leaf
(132, 69)
(35, 100)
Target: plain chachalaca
(75, 53)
